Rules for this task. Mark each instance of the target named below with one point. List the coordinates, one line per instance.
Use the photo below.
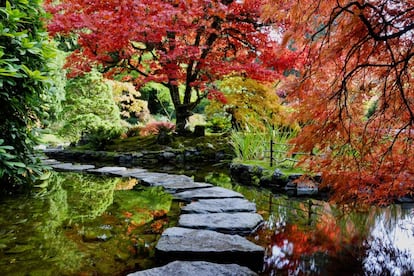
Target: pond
(89, 225)
(305, 236)
(83, 225)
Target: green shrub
(25, 54)
(89, 109)
(219, 124)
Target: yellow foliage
(251, 104)
(126, 96)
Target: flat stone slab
(72, 167)
(169, 179)
(50, 162)
(178, 243)
(107, 170)
(229, 223)
(179, 187)
(200, 268)
(224, 205)
(130, 172)
(208, 193)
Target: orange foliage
(357, 52)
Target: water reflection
(82, 225)
(390, 247)
(375, 242)
(304, 236)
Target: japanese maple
(357, 52)
(185, 45)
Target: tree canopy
(184, 45)
(356, 52)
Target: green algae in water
(82, 224)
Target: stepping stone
(129, 172)
(225, 205)
(207, 193)
(228, 223)
(71, 167)
(50, 162)
(107, 170)
(171, 179)
(179, 187)
(178, 243)
(199, 268)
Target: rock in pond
(207, 193)
(178, 243)
(107, 170)
(179, 187)
(183, 268)
(228, 223)
(72, 167)
(224, 205)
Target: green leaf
(15, 164)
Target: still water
(83, 225)
(88, 225)
(305, 236)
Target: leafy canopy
(184, 45)
(356, 51)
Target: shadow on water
(83, 225)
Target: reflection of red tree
(293, 245)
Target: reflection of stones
(199, 268)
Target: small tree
(90, 110)
(250, 103)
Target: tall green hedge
(24, 85)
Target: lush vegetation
(334, 75)
(26, 57)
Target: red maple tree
(357, 52)
(186, 45)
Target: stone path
(209, 238)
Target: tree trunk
(182, 114)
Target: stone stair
(209, 238)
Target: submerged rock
(180, 268)
(178, 243)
